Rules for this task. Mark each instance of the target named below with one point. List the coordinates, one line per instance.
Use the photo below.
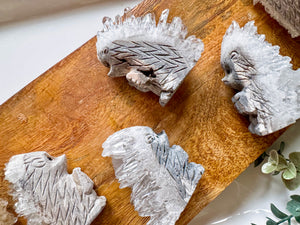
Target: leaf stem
(286, 219)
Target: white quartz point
(158, 55)
(47, 194)
(161, 178)
(268, 87)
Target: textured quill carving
(161, 179)
(152, 57)
(286, 12)
(269, 89)
(47, 194)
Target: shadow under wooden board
(73, 107)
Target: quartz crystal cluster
(161, 178)
(47, 194)
(152, 57)
(268, 87)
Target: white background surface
(30, 47)
(15, 10)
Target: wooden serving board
(73, 107)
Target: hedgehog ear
(250, 28)
(234, 25)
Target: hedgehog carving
(161, 178)
(268, 88)
(152, 57)
(47, 194)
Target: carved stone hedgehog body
(269, 89)
(161, 178)
(152, 57)
(47, 194)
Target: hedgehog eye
(149, 138)
(105, 51)
(233, 54)
(227, 69)
(49, 157)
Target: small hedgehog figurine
(152, 57)
(47, 194)
(160, 176)
(269, 88)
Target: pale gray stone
(286, 12)
(152, 57)
(161, 178)
(47, 194)
(269, 89)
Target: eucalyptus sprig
(293, 207)
(277, 163)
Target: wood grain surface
(73, 107)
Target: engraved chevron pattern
(175, 160)
(58, 197)
(153, 57)
(286, 12)
(164, 60)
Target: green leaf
(295, 158)
(290, 172)
(292, 184)
(281, 148)
(277, 212)
(270, 222)
(296, 197)
(297, 218)
(294, 208)
(282, 163)
(268, 168)
(273, 157)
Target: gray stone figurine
(161, 178)
(152, 57)
(268, 87)
(47, 194)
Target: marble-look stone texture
(286, 12)
(161, 178)
(153, 57)
(46, 193)
(268, 87)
